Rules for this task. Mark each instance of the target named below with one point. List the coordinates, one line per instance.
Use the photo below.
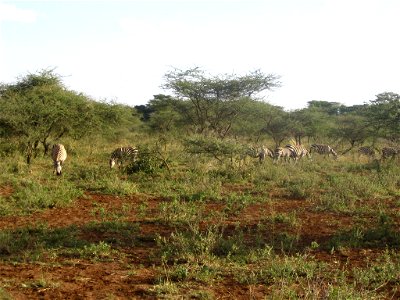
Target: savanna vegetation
(196, 215)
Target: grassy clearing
(205, 234)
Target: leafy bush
(149, 161)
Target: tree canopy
(215, 102)
(38, 109)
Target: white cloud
(10, 12)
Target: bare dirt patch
(6, 191)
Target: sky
(345, 51)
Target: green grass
(382, 233)
(205, 247)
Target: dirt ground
(133, 275)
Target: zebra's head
(57, 166)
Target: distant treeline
(38, 110)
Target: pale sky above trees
(332, 50)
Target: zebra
(367, 151)
(264, 152)
(389, 152)
(59, 155)
(123, 153)
(298, 151)
(323, 149)
(283, 152)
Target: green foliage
(29, 243)
(290, 218)
(216, 148)
(113, 121)
(101, 179)
(385, 271)
(38, 109)
(301, 187)
(166, 114)
(208, 188)
(148, 163)
(31, 195)
(383, 233)
(343, 191)
(100, 251)
(384, 114)
(181, 212)
(352, 128)
(215, 103)
(276, 124)
(5, 295)
(271, 269)
(194, 244)
(190, 187)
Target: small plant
(236, 203)
(273, 269)
(285, 218)
(382, 234)
(115, 215)
(41, 283)
(165, 285)
(178, 211)
(384, 271)
(4, 295)
(100, 251)
(286, 241)
(314, 245)
(300, 188)
(142, 209)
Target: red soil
(134, 274)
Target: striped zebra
(366, 151)
(323, 150)
(122, 154)
(264, 152)
(59, 155)
(282, 152)
(298, 151)
(390, 152)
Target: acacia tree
(38, 108)
(165, 114)
(317, 121)
(254, 118)
(384, 115)
(215, 102)
(353, 129)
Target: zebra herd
(296, 152)
(386, 152)
(118, 156)
(287, 153)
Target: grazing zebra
(123, 153)
(283, 152)
(298, 151)
(59, 155)
(323, 149)
(367, 151)
(389, 152)
(264, 152)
